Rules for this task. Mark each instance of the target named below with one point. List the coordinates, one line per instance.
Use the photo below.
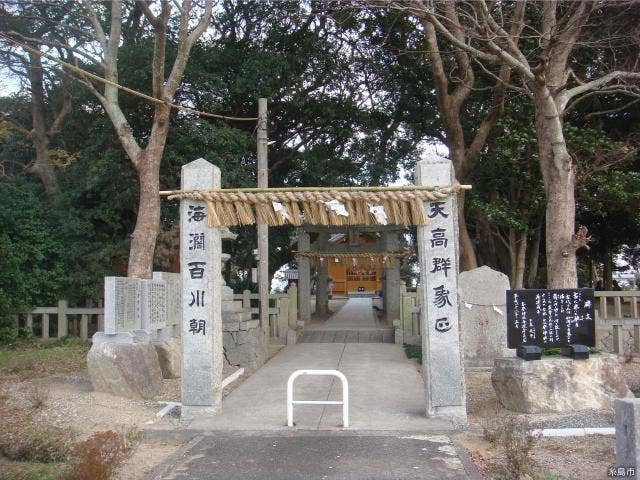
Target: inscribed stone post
(627, 411)
(438, 253)
(121, 305)
(200, 257)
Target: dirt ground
(66, 400)
(587, 458)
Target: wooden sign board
(551, 318)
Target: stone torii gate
(200, 255)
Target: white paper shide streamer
(337, 207)
(281, 210)
(378, 213)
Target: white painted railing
(345, 394)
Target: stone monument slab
(153, 305)
(122, 304)
(483, 327)
(173, 301)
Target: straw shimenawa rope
(323, 206)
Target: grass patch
(35, 358)
(636, 392)
(33, 471)
(413, 351)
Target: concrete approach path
(389, 435)
(355, 322)
(386, 391)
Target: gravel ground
(586, 458)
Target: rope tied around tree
(339, 206)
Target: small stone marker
(627, 436)
(551, 318)
(122, 305)
(200, 260)
(438, 252)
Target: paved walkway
(302, 456)
(355, 322)
(389, 435)
(386, 391)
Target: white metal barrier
(345, 394)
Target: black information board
(551, 318)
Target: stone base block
(558, 384)
(170, 357)
(245, 348)
(189, 413)
(130, 370)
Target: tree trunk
(144, 236)
(607, 270)
(513, 257)
(534, 257)
(468, 260)
(558, 175)
(521, 250)
(486, 251)
(42, 167)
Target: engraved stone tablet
(153, 310)
(551, 318)
(121, 304)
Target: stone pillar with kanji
(200, 260)
(438, 255)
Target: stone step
(361, 294)
(374, 335)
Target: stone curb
(469, 467)
(172, 460)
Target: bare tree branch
(97, 26)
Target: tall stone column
(200, 260)
(322, 295)
(391, 286)
(438, 254)
(304, 278)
